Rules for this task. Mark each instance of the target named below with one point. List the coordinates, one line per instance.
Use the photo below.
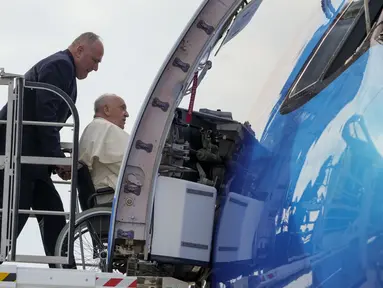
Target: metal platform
(12, 276)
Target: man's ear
(79, 50)
(106, 110)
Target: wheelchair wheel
(90, 240)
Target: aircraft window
(331, 55)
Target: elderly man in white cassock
(103, 142)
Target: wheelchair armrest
(101, 191)
(106, 190)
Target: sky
(246, 77)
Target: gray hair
(101, 101)
(88, 37)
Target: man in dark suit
(36, 188)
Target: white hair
(101, 101)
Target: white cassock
(102, 147)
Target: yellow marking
(3, 275)
(7, 277)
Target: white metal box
(183, 221)
(237, 229)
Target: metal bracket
(4, 75)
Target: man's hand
(64, 172)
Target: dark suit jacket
(40, 105)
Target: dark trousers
(38, 192)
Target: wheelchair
(91, 225)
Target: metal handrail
(40, 123)
(15, 122)
(19, 136)
(76, 120)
